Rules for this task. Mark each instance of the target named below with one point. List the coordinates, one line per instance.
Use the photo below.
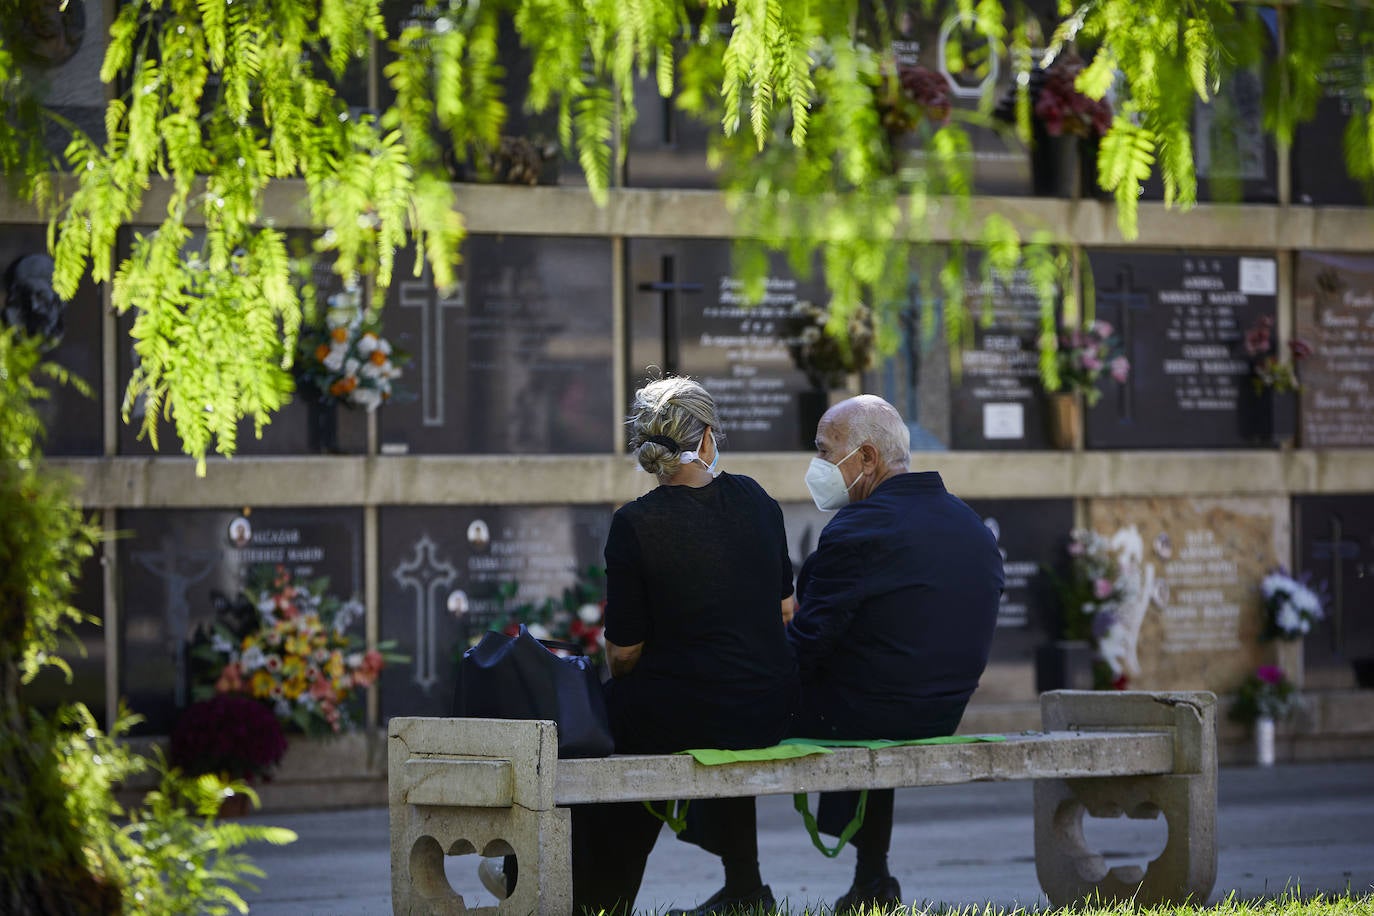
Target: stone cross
(429, 577)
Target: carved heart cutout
(452, 875)
(1123, 842)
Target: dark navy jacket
(896, 611)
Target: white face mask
(826, 483)
(689, 456)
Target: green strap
(799, 801)
(674, 813)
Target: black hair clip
(663, 441)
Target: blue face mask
(689, 456)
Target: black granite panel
(299, 428)
(440, 570)
(998, 401)
(1334, 540)
(687, 316)
(1181, 318)
(72, 419)
(173, 563)
(517, 360)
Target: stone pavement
(1304, 826)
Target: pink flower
(365, 675)
(1076, 548)
(1121, 368)
(1091, 362)
(1270, 674)
(1102, 329)
(1102, 588)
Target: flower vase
(1065, 420)
(1053, 161)
(324, 426)
(1268, 417)
(1264, 741)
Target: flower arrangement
(575, 617)
(230, 735)
(348, 361)
(824, 354)
(1265, 694)
(1089, 600)
(915, 93)
(1060, 107)
(299, 659)
(1291, 605)
(1084, 354)
(1267, 371)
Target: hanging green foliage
(215, 103)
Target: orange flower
(343, 386)
(321, 352)
(340, 335)
(377, 357)
(230, 679)
(365, 675)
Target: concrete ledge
(530, 479)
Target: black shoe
(882, 892)
(719, 903)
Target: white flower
(590, 614)
(350, 366)
(1288, 619)
(281, 707)
(384, 345)
(252, 659)
(348, 612)
(220, 644)
(367, 343)
(539, 631)
(354, 659)
(370, 370)
(335, 360)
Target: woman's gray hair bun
(667, 417)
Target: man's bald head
(868, 418)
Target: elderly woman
(698, 583)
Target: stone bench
(496, 787)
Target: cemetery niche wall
(1318, 161)
(1334, 302)
(441, 569)
(517, 360)
(1181, 319)
(177, 568)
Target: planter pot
(1066, 664)
(1264, 741)
(1064, 417)
(235, 806)
(1267, 417)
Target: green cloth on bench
(790, 748)
(879, 743)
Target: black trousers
(612, 842)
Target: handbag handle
(562, 645)
(800, 803)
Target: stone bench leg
(1186, 870)
(471, 786)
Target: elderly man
(896, 609)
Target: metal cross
(669, 289)
(430, 578)
(1336, 549)
(1126, 300)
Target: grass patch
(1289, 903)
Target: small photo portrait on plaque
(479, 535)
(240, 532)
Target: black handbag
(517, 677)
